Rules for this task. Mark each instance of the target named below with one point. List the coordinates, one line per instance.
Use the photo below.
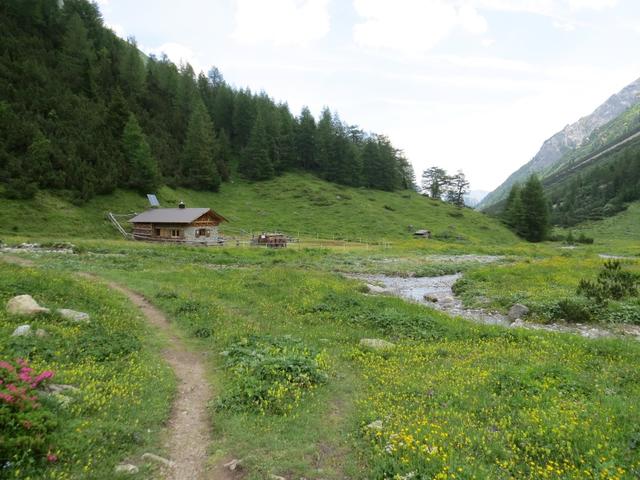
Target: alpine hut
(196, 226)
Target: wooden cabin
(196, 226)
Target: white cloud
(281, 22)
(177, 53)
(117, 29)
(592, 4)
(413, 25)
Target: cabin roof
(173, 215)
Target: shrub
(24, 425)
(271, 374)
(613, 283)
(576, 310)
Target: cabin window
(176, 233)
(202, 232)
(157, 230)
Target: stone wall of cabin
(212, 239)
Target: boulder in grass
(518, 311)
(376, 344)
(22, 331)
(73, 315)
(25, 305)
(127, 468)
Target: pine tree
(255, 163)
(535, 210)
(200, 155)
(142, 167)
(306, 140)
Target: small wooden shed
(198, 226)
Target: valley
(296, 395)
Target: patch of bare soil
(23, 262)
(189, 432)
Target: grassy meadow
(299, 205)
(295, 395)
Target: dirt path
(189, 432)
(188, 429)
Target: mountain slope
(579, 136)
(293, 203)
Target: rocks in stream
(517, 311)
(24, 305)
(375, 289)
(429, 297)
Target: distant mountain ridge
(569, 139)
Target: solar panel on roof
(153, 200)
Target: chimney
(181, 204)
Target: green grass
(123, 389)
(616, 235)
(541, 284)
(456, 400)
(300, 205)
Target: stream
(437, 293)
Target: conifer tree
(200, 155)
(306, 140)
(535, 210)
(143, 169)
(255, 163)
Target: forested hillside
(611, 121)
(84, 112)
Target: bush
(271, 374)
(24, 425)
(613, 283)
(576, 310)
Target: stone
(22, 331)
(24, 305)
(41, 333)
(233, 464)
(375, 425)
(518, 322)
(158, 459)
(376, 344)
(55, 388)
(73, 315)
(375, 289)
(276, 477)
(430, 298)
(127, 468)
(447, 300)
(518, 311)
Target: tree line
(84, 111)
(439, 185)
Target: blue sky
(476, 85)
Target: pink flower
(52, 457)
(43, 376)
(6, 397)
(7, 366)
